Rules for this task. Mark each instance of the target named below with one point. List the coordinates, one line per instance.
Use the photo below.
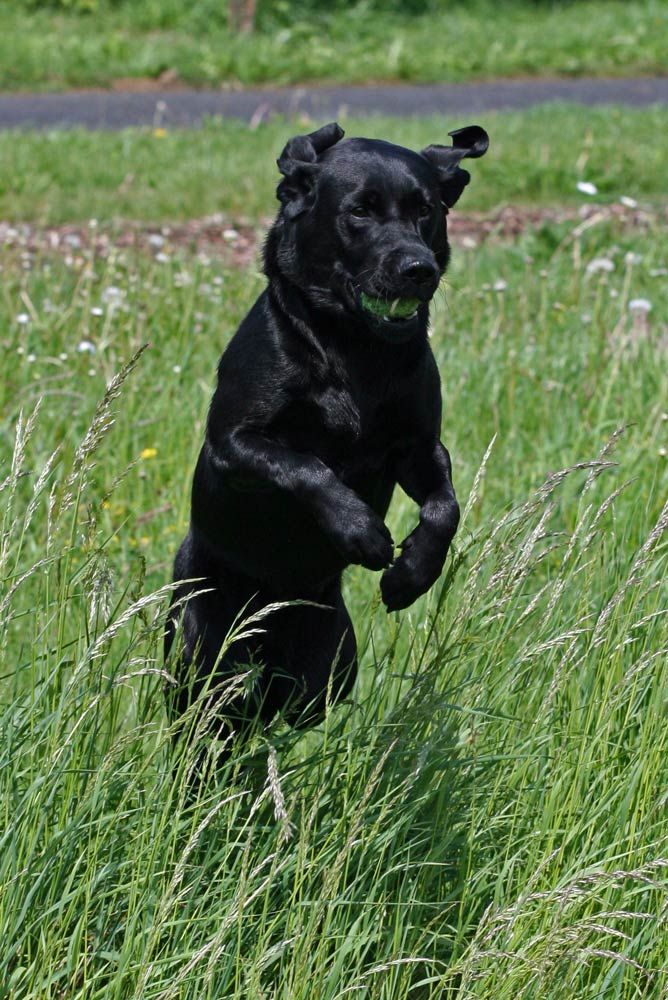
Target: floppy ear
(472, 142)
(299, 165)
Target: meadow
(55, 44)
(487, 817)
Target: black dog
(328, 395)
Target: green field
(488, 817)
(57, 45)
(164, 175)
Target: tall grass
(487, 817)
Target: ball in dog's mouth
(390, 310)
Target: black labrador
(328, 395)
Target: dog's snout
(419, 271)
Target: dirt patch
(169, 80)
(510, 222)
(237, 242)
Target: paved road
(174, 108)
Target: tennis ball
(388, 308)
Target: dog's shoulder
(271, 374)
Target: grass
(536, 158)
(43, 48)
(488, 817)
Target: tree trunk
(242, 15)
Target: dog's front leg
(426, 476)
(352, 526)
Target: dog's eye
(360, 212)
(424, 210)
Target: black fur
(321, 408)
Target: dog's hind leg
(219, 698)
(314, 662)
(217, 678)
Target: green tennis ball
(388, 308)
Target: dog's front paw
(408, 579)
(398, 587)
(367, 541)
(359, 534)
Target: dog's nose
(418, 271)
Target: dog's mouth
(393, 319)
(390, 311)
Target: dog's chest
(350, 425)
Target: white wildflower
(640, 305)
(86, 347)
(586, 187)
(600, 264)
(112, 295)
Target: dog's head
(362, 226)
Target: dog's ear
(299, 165)
(472, 142)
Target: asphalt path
(105, 109)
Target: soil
(168, 80)
(237, 242)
